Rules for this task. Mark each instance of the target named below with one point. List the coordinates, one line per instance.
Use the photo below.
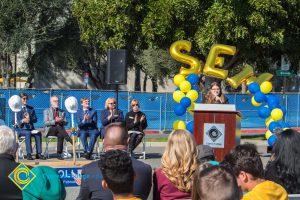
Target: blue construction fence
(158, 107)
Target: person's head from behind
(205, 153)
(117, 171)
(286, 158)
(215, 182)
(116, 136)
(246, 164)
(8, 144)
(54, 101)
(179, 160)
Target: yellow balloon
(266, 87)
(236, 80)
(254, 102)
(178, 79)
(190, 108)
(213, 58)
(276, 114)
(178, 95)
(193, 95)
(268, 121)
(268, 134)
(179, 124)
(260, 79)
(185, 86)
(175, 52)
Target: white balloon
(15, 103)
(71, 104)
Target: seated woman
(173, 180)
(136, 122)
(284, 166)
(110, 114)
(215, 95)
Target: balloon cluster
(270, 109)
(185, 96)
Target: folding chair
(50, 139)
(79, 150)
(22, 140)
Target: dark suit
(91, 187)
(24, 129)
(119, 117)
(54, 129)
(8, 190)
(87, 129)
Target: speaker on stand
(116, 69)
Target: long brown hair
(210, 99)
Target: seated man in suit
(110, 114)
(116, 137)
(54, 121)
(25, 120)
(87, 124)
(8, 148)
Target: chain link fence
(158, 107)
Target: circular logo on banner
(213, 133)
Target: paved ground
(154, 151)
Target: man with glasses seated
(110, 114)
(87, 124)
(25, 120)
(136, 122)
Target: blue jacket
(89, 124)
(20, 115)
(103, 118)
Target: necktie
(55, 113)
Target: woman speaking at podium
(214, 95)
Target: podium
(217, 125)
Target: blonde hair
(179, 161)
(107, 100)
(134, 101)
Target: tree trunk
(154, 84)
(137, 82)
(145, 83)
(31, 67)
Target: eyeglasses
(112, 103)
(24, 98)
(135, 105)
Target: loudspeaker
(116, 68)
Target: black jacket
(139, 126)
(8, 190)
(91, 187)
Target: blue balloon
(254, 87)
(196, 88)
(179, 110)
(285, 125)
(264, 112)
(185, 102)
(273, 101)
(260, 97)
(190, 127)
(272, 140)
(193, 79)
(177, 88)
(273, 126)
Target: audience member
(110, 115)
(136, 122)
(215, 182)
(205, 153)
(47, 185)
(284, 166)
(25, 120)
(8, 147)
(118, 174)
(55, 121)
(116, 137)
(247, 166)
(215, 95)
(87, 127)
(179, 162)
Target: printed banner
(214, 135)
